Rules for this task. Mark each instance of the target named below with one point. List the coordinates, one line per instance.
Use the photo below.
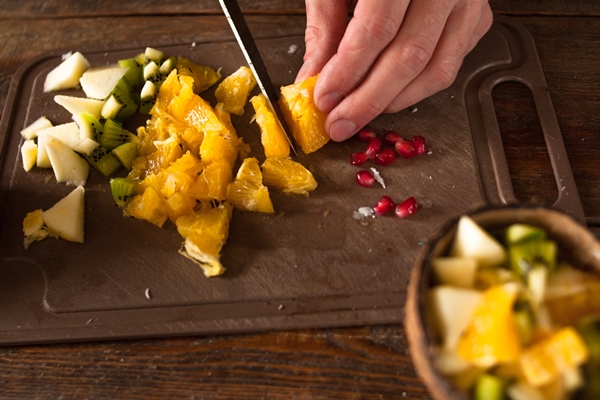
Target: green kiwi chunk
(524, 256)
(154, 55)
(122, 190)
(517, 233)
(104, 161)
(489, 387)
(89, 126)
(120, 103)
(148, 97)
(134, 71)
(125, 153)
(115, 135)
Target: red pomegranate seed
(404, 148)
(406, 208)
(391, 137)
(385, 157)
(365, 134)
(373, 148)
(419, 144)
(365, 178)
(358, 158)
(384, 205)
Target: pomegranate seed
(419, 144)
(384, 205)
(385, 157)
(404, 148)
(365, 178)
(373, 148)
(391, 137)
(365, 134)
(406, 208)
(358, 158)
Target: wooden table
(357, 362)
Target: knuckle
(382, 28)
(416, 54)
(445, 73)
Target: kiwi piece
(134, 71)
(89, 126)
(524, 256)
(122, 190)
(517, 233)
(167, 66)
(154, 55)
(104, 161)
(489, 387)
(148, 97)
(125, 153)
(120, 103)
(115, 135)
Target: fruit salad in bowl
(503, 304)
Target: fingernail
(341, 129)
(329, 101)
(302, 72)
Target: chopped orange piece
(217, 145)
(272, 136)
(547, 359)
(492, 337)
(205, 233)
(247, 191)
(235, 89)
(305, 120)
(179, 204)
(204, 76)
(148, 206)
(288, 176)
(212, 183)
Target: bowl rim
(421, 345)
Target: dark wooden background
(356, 363)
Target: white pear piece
(86, 146)
(455, 271)
(76, 105)
(31, 130)
(66, 75)
(472, 241)
(98, 83)
(67, 133)
(67, 165)
(29, 154)
(452, 309)
(66, 217)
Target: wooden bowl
(576, 243)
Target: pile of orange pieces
(184, 171)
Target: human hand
(389, 56)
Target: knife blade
(255, 63)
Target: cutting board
(312, 264)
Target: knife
(244, 38)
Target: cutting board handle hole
(523, 140)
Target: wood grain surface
(355, 363)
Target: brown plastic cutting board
(310, 265)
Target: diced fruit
(304, 119)
(452, 310)
(525, 256)
(234, 90)
(406, 208)
(204, 76)
(536, 283)
(491, 337)
(152, 73)
(98, 83)
(148, 97)
(76, 105)
(247, 191)
(89, 126)
(66, 75)
(133, 75)
(545, 360)
(205, 235)
(523, 391)
(67, 133)
(86, 146)
(516, 233)
(272, 136)
(29, 151)
(212, 183)
(287, 175)
(42, 160)
(119, 105)
(489, 387)
(115, 135)
(31, 130)
(122, 190)
(67, 165)
(589, 329)
(66, 217)
(455, 271)
(34, 228)
(365, 178)
(104, 161)
(472, 241)
(154, 55)
(126, 153)
(525, 320)
(384, 205)
(149, 206)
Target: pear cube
(98, 83)
(66, 75)
(31, 130)
(472, 241)
(66, 217)
(76, 105)
(67, 165)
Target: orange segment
(235, 89)
(288, 176)
(204, 76)
(492, 337)
(148, 206)
(205, 233)
(305, 120)
(247, 191)
(213, 181)
(272, 136)
(547, 359)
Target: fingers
(404, 58)
(326, 23)
(463, 30)
(373, 26)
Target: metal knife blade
(244, 38)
